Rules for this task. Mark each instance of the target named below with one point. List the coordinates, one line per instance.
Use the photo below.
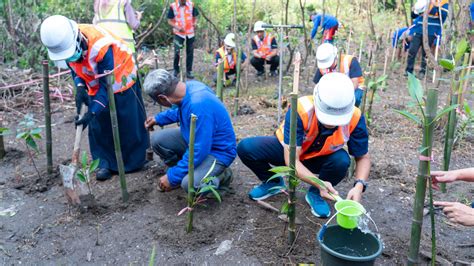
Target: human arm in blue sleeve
(101, 100)
(167, 117)
(358, 143)
(316, 22)
(202, 146)
(299, 130)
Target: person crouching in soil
(327, 120)
(214, 140)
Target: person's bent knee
(244, 148)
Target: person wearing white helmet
(264, 50)
(90, 51)
(227, 55)
(215, 143)
(437, 15)
(328, 61)
(327, 121)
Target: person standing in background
(119, 18)
(182, 17)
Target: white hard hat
(230, 40)
(334, 99)
(59, 35)
(325, 55)
(258, 26)
(419, 7)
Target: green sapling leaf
(84, 159)
(410, 116)
(94, 165)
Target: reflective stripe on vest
(113, 19)
(264, 47)
(227, 65)
(183, 18)
(98, 41)
(333, 143)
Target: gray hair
(160, 82)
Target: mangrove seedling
(85, 172)
(372, 87)
(28, 132)
(199, 197)
(427, 119)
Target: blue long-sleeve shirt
(214, 131)
(434, 23)
(100, 100)
(329, 22)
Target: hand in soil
(164, 184)
(355, 193)
(457, 212)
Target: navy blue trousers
(134, 138)
(260, 154)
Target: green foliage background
(25, 50)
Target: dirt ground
(44, 230)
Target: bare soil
(46, 230)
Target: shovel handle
(77, 140)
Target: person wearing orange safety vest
(265, 50)
(90, 52)
(437, 15)
(228, 56)
(182, 17)
(326, 122)
(118, 17)
(328, 62)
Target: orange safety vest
(264, 47)
(227, 65)
(98, 42)
(437, 4)
(333, 143)
(183, 17)
(344, 67)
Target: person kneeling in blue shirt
(326, 121)
(214, 140)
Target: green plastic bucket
(340, 246)
(348, 213)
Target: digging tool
(69, 171)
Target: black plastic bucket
(341, 246)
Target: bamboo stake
(360, 51)
(2, 144)
(422, 177)
(292, 180)
(237, 82)
(47, 117)
(116, 136)
(385, 62)
(456, 90)
(156, 67)
(191, 192)
(395, 45)
(436, 58)
(220, 78)
(349, 42)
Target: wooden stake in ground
(237, 82)
(436, 58)
(116, 136)
(292, 180)
(191, 192)
(360, 51)
(385, 62)
(47, 117)
(220, 79)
